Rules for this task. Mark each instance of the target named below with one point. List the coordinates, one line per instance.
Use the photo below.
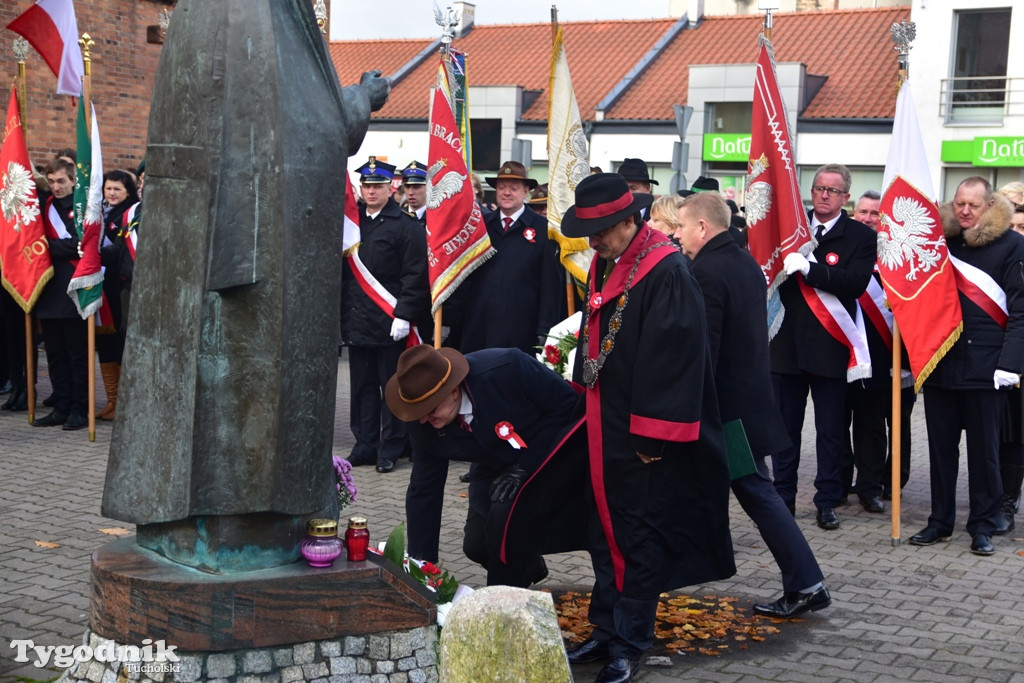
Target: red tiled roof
(851, 47)
(857, 57)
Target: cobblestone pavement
(899, 612)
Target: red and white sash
(872, 302)
(844, 328)
(377, 292)
(56, 223)
(980, 288)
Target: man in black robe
(658, 470)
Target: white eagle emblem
(450, 184)
(757, 198)
(909, 228)
(18, 206)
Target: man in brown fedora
(658, 468)
(513, 299)
(499, 409)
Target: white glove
(399, 329)
(796, 262)
(1003, 379)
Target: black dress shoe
(364, 460)
(618, 670)
(6, 387)
(464, 478)
(793, 604)
(385, 466)
(51, 420)
(982, 545)
(827, 518)
(49, 401)
(872, 504)
(590, 651)
(929, 536)
(75, 422)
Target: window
(976, 93)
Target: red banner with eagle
(457, 241)
(913, 259)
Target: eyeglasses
(823, 189)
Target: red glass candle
(357, 539)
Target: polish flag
(51, 28)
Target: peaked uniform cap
(374, 171)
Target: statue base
(138, 594)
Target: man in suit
(968, 389)
(393, 249)
(734, 294)
(820, 346)
(497, 408)
(516, 296)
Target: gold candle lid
(357, 522)
(322, 527)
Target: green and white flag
(86, 286)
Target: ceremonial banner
(86, 286)
(24, 253)
(913, 259)
(568, 161)
(51, 28)
(457, 241)
(776, 220)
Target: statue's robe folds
(230, 369)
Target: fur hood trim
(993, 223)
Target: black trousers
(67, 358)
(979, 413)
(759, 499)
(482, 543)
(12, 340)
(829, 396)
(872, 438)
(380, 436)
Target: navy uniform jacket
(519, 293)
(734, 298)
(845, 260)
(504, 385)
(393, 247)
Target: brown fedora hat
(512, 170)
(425, 377)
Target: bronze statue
(223, 448)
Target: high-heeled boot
(111, 373)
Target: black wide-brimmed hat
(425, 377)
(705, 184)
(636, 169)
(602, 200)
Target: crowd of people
(57, 324)
(678, 392)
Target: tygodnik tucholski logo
(151, 657)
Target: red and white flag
(777, 223)
(913, 260)
(51, 28)
(24, 253)
(457, 240)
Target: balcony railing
(982, 101)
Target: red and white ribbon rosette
(506, 432)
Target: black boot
(18, 400)
(1005, 518)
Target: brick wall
(123, 66)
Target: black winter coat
(54, 301)
(393, 246)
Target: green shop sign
(985, 151)
(726, 146)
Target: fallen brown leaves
(708, 625)
(47, 544)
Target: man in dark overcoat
(513, 299)
(734, 295)
(393, 248)
(658, 470)
(820, 299)
(497, 408)
(967, 391)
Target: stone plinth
(138, 594)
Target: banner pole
(86, 42)
(896, 430)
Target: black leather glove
(504, 487)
